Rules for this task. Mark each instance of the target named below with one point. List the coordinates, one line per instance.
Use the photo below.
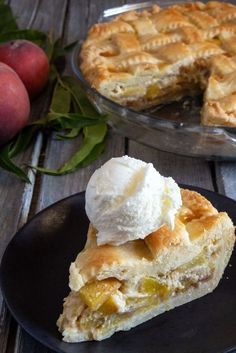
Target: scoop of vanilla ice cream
(128, 199)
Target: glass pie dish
(173, 127)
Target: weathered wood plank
(54, 188)
(24, 11)
(226, 178)
(13, 193)
(50, 16)
(184, 170)
(45, 16)
(80, 16)
(76, 23)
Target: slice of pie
(115, 288)
(141, 59)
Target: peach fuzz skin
(29, 61)
(14, 104)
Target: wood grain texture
(27, 344)
(24, 11)
(76, 22)
(71, 18)
(12, 191)
(55, 188)
(183, 169)
(79, 16)
(226, 178)
(50, 16)
(46, 16)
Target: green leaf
(56, 55)
(66, 121)
(60, 105)
(73, 133)
(33, 35)
(22, 141)
(7, 164)
(49, 47)
(7, 20)
(58, 50)
(61, 100)
(94, 154)
(70, 110)
(79, 96)
(75, 117)
(70, 46)
(74, 106)
(62, 123)
(93, 136)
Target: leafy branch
(70, 112)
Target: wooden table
(19, 202)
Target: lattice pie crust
(141, 59)
(115, 288)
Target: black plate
(34, 277)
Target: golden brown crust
(165, 238)
(196, 212)
(123, 58)
(92, 260)
(195, 207)
(220, 97)
(184, 264)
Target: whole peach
(14, 104)
(29, 61)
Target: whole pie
(115, 288)
(142, 59)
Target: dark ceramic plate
(34, 277)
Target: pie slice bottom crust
(115, 288)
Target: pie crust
(115, 288)
(141, 59)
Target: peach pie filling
(108, 300)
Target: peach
(29, 61)
(14, 104)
